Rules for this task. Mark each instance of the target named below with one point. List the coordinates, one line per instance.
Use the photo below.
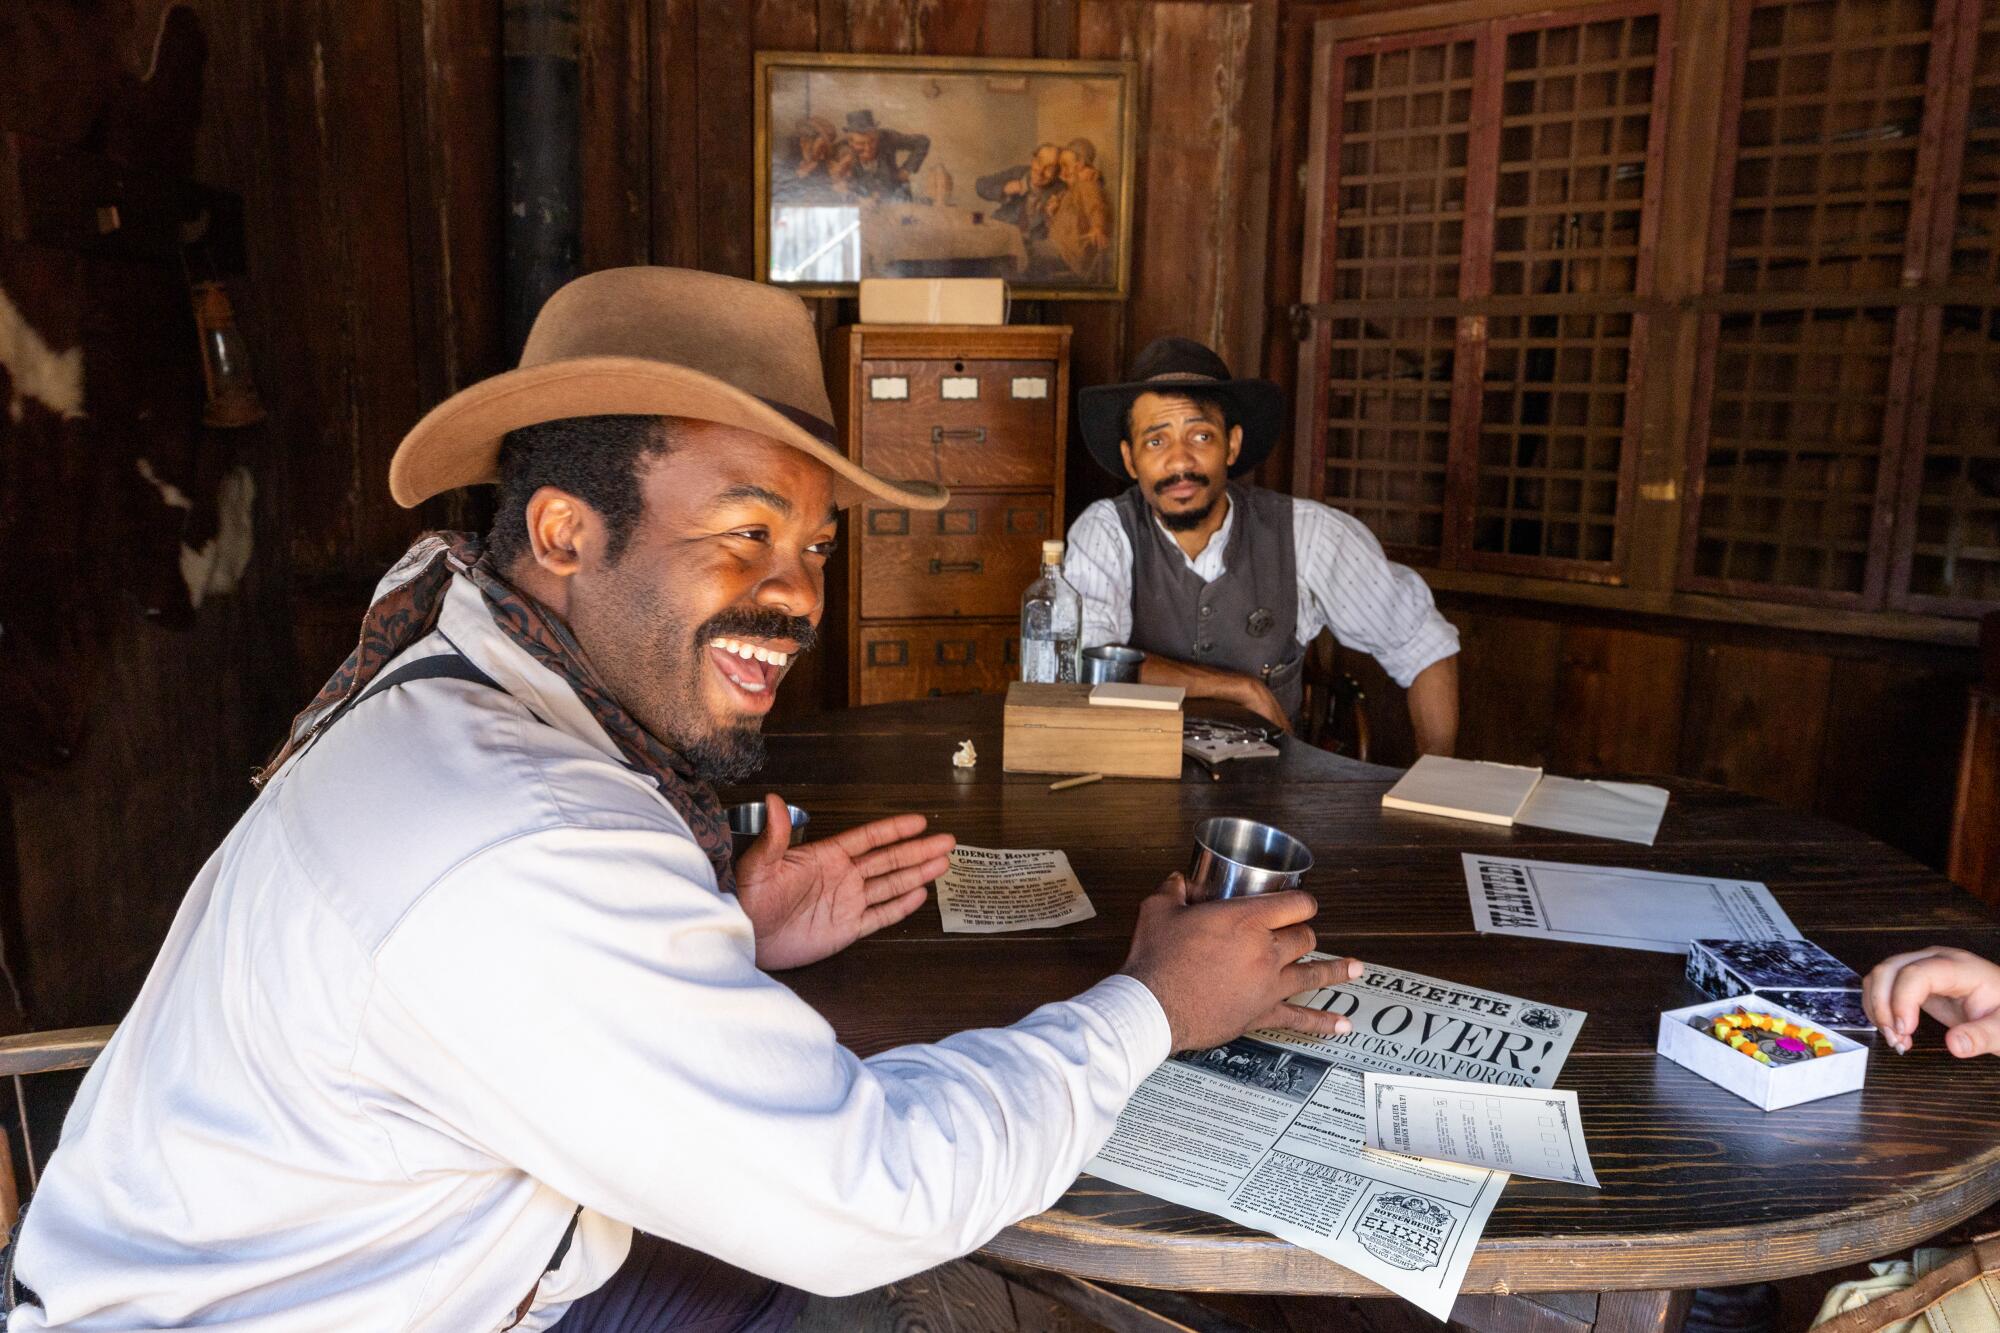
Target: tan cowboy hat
(668, 342)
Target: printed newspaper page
(1270, 1130)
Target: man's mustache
(746, 622)
(1198, 478)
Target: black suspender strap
(562, 1246)
(449, 666)
(446, 666)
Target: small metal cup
(1111, 663)
(1235, 858)
(746, 824)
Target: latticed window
(1487, 229)
(1398, 236)
(1481, 276)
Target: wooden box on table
(933, 598)
(1056, 729)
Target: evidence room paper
(1269, 1130)
(985, 890)
(1527, 1131)
(1626, 909)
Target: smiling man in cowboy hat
(1221, 583)
(468, 1024)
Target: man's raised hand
(811, 901)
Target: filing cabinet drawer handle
(977, 434)
(957, 566)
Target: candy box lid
(1797, 974)
(1770, 1087)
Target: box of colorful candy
(1762, 1052)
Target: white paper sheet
(1526, 1131)
(985, 890)
(1474, 789)
(1268, 1130)
(1625, 909)
(1628, 811)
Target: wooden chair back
(21, 1056)
(1335, 714)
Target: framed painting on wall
(945, 167)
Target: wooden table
(1700, 1188)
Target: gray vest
(1247, 620)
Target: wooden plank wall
(129, 719)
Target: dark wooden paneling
(1618, 698)
(138, 733)
(336, 93)
(1756, 720)
(1891, 741)
(724, 136)
(882, 26)
(1507, 687)
(1185, 279)
(450, 61)
(674, 131)
(616, 152)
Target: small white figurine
(966, 756)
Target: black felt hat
(1182, 365)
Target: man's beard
(655, 668)
(731, 753)
(1189, 519)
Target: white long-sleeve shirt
(459, 971)
(1346, 584)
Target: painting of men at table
(913, 167)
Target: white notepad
(1464, 789)
(1116, 694)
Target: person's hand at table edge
(1220, 969)
(811, 901)
(1959, 989)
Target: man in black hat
(1221, 583)
(884, 161)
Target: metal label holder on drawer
(1054, 729)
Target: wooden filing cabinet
(933, 599)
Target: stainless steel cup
(1234, 858)
(746, 824)
(1112, 663)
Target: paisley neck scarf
(406, 608)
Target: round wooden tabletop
(1700, 1187)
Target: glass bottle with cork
(1051, 623)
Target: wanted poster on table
(1610, 905)
(1270, 1131)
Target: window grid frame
(1924, 216)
